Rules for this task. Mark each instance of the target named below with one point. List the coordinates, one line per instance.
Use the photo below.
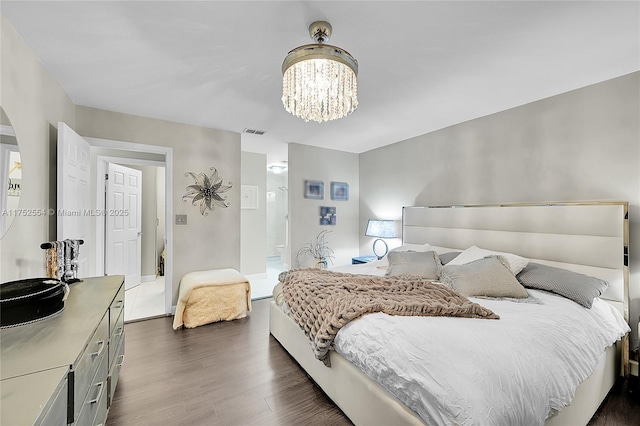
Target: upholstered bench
(210, 296)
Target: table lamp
(380, 228)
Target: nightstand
(362, 259)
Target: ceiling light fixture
(277, 168)
(319, 80)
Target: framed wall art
(327, 215)
(339, 191)
(314, 189)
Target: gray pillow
(580, 288)
(448, 257)
(423, 264)
(488, 277)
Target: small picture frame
(328, 215)
(249, 197)
(339, 191)
(314, 189)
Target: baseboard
(633, 367)
(147, 278)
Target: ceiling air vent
(254, 132)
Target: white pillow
(516, 263)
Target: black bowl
(29, 300)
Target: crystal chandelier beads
(319, 81)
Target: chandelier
(319, 80)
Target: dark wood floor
(236, 373)
(226, 373)
(622, 406)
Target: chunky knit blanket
(322, 302)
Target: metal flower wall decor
(206, 191)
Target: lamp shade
(381, 228)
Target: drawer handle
(99, 352)
(119, 332)
(121, 361)
(118, 304)
(97, 398)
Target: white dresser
(64, 370)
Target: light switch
(181, 219)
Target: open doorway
(277, 220)
(141, 260)
(152, 297)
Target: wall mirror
(10, 173)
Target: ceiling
(423, 65)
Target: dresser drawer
(114, 372)
(95, 353)
(116, 309)
(117, 335)
(96, 396)
(103, 409)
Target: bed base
(365, 402)
(360, 398)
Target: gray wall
(253, 230)
(35, 104)
(206, 242)
(311, 163)
(581, 145)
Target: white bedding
(484, 372)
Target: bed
(589, 238)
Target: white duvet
(512, 371)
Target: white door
(123, 224)
(74, 194)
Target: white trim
(131, 161)
(147, 278)
(168, 164)
(7, 130)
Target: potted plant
(318, 249)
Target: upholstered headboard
(586, 237)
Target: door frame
(168, 207)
